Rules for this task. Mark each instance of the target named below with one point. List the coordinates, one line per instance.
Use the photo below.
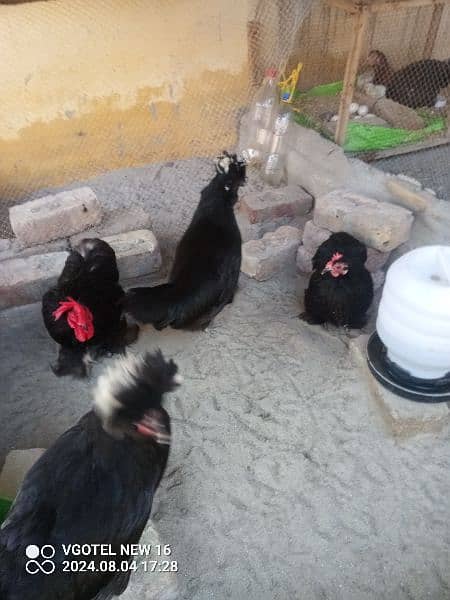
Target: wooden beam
(433, 30)
(403, 149)
(377, 6)
(351, 71)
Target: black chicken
(340, 289)
(82, 313)
(205, 272)
(418, 84)
(94, 485)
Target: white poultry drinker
(410, 351)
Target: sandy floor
(282, 482)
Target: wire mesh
(204, 118)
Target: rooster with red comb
(83, 313)
(340, 289)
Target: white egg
(363, 110)
(334, 118)
(353, 108)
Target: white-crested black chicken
(83, 312)
(205, 272)
(95, 485)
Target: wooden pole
(433, 30)
(351, 71)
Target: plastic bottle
(274, 169)
(262, 113)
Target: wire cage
(376, 74)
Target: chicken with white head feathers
(94, 485)
(205, 272)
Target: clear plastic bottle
(274, 169)
(262, 113)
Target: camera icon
(40, 559)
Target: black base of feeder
(399, 381)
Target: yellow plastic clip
(289, 85)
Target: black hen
(340, 288)
(94, 485)
(205, 272)
(82, 313)
(418, 84)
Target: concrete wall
(92, 86)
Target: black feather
(91, 277)
(88, 488)
(340, 300)
(205, 272)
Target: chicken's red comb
(79, 318)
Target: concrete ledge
(402, 417)
(53, 217)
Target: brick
(304, 260)
(313, 236)
(263, 258)
(409, 195)
(289, 201)
(377, 224)
(137, 253)
(402, 417)
(54, 217)
(117, 220)
(17, 464)
(25, 280)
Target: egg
(353, 108)
(334, 118)
(363, 110)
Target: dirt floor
(282, 483)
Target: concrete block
(378, 278)
(409, 195)
(402, 417)
(137, 253)
(18, 249)
(313, 236)
(25, 280)
(116, 220)
(17, 464)
(263, 258)
(379, 225)
(304, 260)
(54, 217)
(289, 201)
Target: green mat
(364, 138)
(5, 505)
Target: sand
(282, 483)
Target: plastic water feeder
(410, 351)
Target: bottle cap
(271, 72)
